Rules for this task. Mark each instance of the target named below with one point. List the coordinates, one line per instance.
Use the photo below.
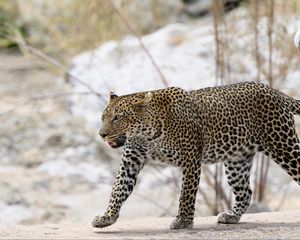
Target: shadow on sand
(200, 229)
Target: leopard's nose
(103, 134)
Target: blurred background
(58, 61)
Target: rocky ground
(276, 225)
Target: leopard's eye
(116, 118)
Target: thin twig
(42, 97)
(205, 197)
(222, 191)
(217, 41)
(156, 203)
(226, 49)
(256, 43)
(255, 191)
(137, 35)
(270, 42)
(284, 195)
(23, 44)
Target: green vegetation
(8, 19)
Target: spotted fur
(188, 128)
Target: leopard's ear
(141, 105)
(112, 96)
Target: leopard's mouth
(117, 141)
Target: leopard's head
(122, 117)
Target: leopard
(188, 129)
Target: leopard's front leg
(190, 182)
(132, 162)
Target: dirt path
(276, 225)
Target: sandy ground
(275, 225)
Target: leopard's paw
(180, 223)
(228, 218)
(104, 221)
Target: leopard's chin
(117, 142)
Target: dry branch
(40, 98)
(63, 69)
(137, 35)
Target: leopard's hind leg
(286, 153)
(238, 173)
(280, 142)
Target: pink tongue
(112, 144)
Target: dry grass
(272, 50)
(64, 28)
